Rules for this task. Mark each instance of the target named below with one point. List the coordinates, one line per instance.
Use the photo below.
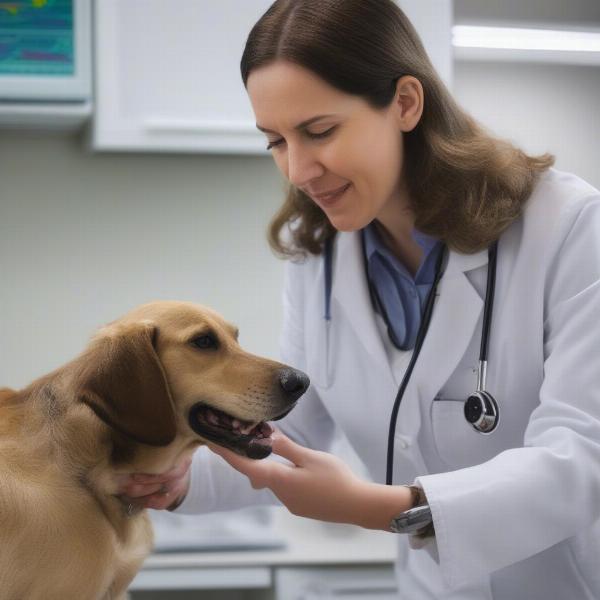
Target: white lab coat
(517, 512)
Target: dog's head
(172, 367)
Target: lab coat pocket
(456, 442)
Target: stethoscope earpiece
(481, 410)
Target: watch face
(411, 520)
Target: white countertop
(308, 542)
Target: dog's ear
(124, 383)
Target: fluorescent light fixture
(512, 38)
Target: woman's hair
(466, 187)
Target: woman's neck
(395, 229)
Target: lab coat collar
(350, 290)
(456, 313)
(462, 263)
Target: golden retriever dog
(148, 390)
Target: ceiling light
(512, 38)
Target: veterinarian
(443, 295)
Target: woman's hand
(320, 486)
(164, 491)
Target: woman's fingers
(135, 490)
(162, 497)
(241, 463)
(156, 490)
(284, 446)
(173, 473)
(157, 501)
(260, 472)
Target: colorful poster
(36, 38)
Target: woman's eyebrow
(299, 126)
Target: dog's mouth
(251, 439)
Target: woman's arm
(530, 498)
(320, 486)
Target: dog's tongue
(259, 448)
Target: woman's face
(336, 148)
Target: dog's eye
(206, 342)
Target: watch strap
(417, 520)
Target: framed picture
(45, 50)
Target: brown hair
(466, 186)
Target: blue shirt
(400, 297)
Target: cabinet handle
(217, 127)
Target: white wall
(541, 108)
(585, 13)
(85, 237)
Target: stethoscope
(480, 408)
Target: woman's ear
(123, 382)
(409, 102)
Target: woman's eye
(205, 342)
(320, 135)
(274, 143)
(313, 136)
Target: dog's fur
(121, 407)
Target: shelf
(47, 116)
(202, 579)
(527, 56)
(532, 45)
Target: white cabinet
(168, 77)
(318, 561)
(328, 583)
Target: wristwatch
(417, 519)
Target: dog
(149, 389)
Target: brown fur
(119, 408)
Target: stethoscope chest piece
(481, 411)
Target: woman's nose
(302, 167)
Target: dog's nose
(293, 382)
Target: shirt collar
(374, 243)
(425, 241)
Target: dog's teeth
(247, 429)
(212, 418)
(236, 424)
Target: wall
(542, 108)
(576, 12)
(84, 237)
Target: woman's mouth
(329, 199)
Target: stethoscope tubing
(489, 421)
(413, 359)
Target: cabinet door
(336, 583)
(167, 73)
(168, 76)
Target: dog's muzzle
(251, 439)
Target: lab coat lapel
(456, 312)
(350, 292)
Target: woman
(397, 196)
